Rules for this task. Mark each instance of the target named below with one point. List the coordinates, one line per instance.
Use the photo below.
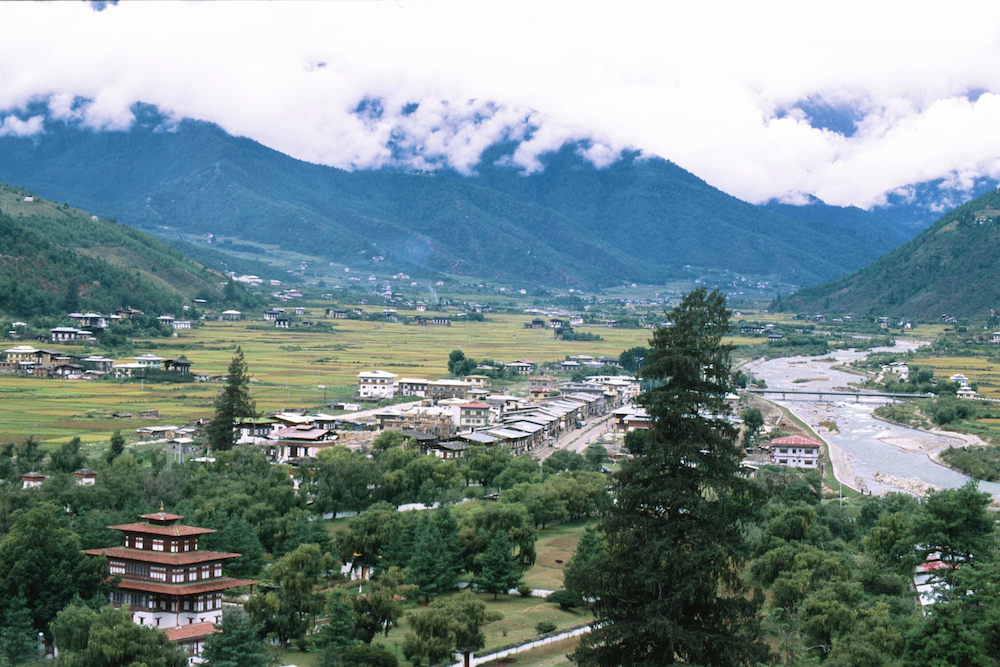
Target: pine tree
(500, 571)
(427, 565)
(235, 402)
(667, 588)
(117, 446)
(236, 645)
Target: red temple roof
(192, 631)
(208, 586)
(161, 557)
(161, 517)
(161, 530)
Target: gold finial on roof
(161, 507)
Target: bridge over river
(810, 394)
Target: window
(173, 546)
(218, 569)
(157, 544)
(138, 543)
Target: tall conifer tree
(235, 402)
(668, 587)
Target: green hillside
(948, 269)
(56, 258)
(570, 225)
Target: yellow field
(288, 366)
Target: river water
(882, 457)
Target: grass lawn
(554, 546)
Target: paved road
(576, 440)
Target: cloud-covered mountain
(569, 223)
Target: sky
(845, 101)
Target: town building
(376, 384)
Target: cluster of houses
(451, 416)
(27, 360)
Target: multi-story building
(166, 581)
(376, 384)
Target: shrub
(544, 627)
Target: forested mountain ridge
(57, 259)
(948, 269)
(571, 224)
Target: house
(960, 380)
(376, 384)
(556, 323)
(796, 451)
(569, 366)
(336, 314)
(180, 365)
(441, 321)
(995, 337)
(299, 310)
(69, 333)
(272, 314)
(524, 366)
(166, 319)
(22, 355)
(967, 392)
(473, 416)
(438, 390)
(421, 306)
(575, 320)
(282, 323)
(231, 315)
(302, 441)
(165, 581)
(181, 324)
(536, 323)
(149, 360)
(411, 387)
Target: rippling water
(872, 446)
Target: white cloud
(718, 88)
(12, 125)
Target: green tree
(445, 626)
(236, 645)
(362, 655)
(68, 457)
(289, 609)
(430, 569)
(42, 567)
(18, 639)
(668, 588)
(113, 640)
(500, 571)
(234, 402)
(380, 607)
(117, 446)
(956, 523)
(338, 632)
(753, 419)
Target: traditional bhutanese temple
(167, 582)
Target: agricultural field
(979, 370)
(288, 367)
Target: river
(883, 457)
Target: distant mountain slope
(652, 208)
(950, 268)
(572, 224)
(55, 258)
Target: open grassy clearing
(555, 546)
